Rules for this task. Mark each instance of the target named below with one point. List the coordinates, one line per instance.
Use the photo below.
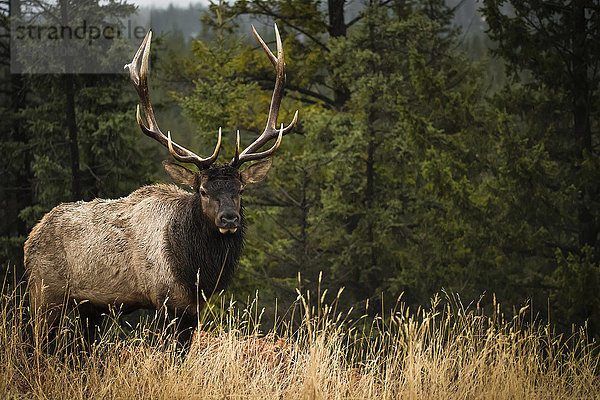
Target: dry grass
(447, 352)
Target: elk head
(219, 186)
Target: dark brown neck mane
(198, 251)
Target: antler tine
(131, 67)
(265, 47)
(140, 82)
(236, 158)
(270, 132)
(263, 154)
(192, 159)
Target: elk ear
(256, 172)
(179, 174)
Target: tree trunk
(588, 229)
(18, 191)
(337, 24)
(337, 28)
(69, 88)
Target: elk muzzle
(228, 221)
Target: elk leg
(91, 320)
(46, 308)
(186, 325)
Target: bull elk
(161, 245)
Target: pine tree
(551, 49)
(66, 144)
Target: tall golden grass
(448, 351)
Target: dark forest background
(434, 151)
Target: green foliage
(39, 173)
(405, 178)
(401, 180)
(112, 163)
(575, 275)
(551, 171)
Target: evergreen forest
(441, 146)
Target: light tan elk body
(161, 245)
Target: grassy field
(445, 352)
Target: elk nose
(229, 219)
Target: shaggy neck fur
(199, 251)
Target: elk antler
(270, 131)
(141, 86)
